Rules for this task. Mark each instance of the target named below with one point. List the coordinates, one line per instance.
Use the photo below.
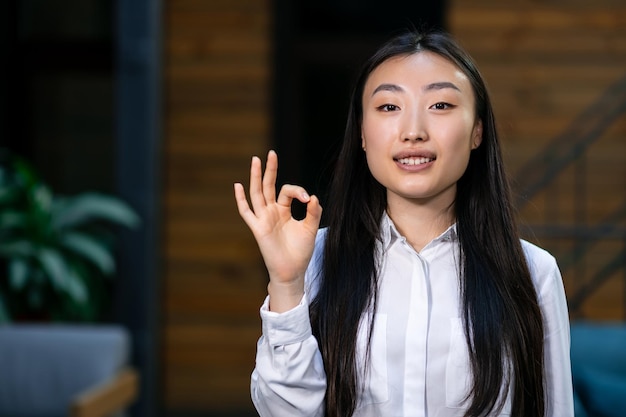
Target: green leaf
(18, 273)
(8, 194)
(75, 211)
(76, 288)
(89, 248)
(25, 173)
(54, 266)
(10, 219)
(17, 248)
(42, 197)
(40, 210)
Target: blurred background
(163, 103)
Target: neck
(418, 221)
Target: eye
(442, 106)
(388, 107)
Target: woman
(419, 298)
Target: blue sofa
(54, 370)
(598, 354)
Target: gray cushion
(44, 366)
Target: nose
(414, 128)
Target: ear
(477, 134)
(362, 140)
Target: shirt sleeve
(289, 378)
(558, 373)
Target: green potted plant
(56, 252)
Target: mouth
(419, 160)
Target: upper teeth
(414, 161)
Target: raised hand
(286, 244)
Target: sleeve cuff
(293, 326)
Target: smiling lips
(415, 160)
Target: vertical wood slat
(217, 112)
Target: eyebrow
(433, 86)
(388, 87)
(441, 85)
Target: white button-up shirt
(419, 357)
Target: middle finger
(256, 190)
(269, 178)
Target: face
(419, 127)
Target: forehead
(418, 70)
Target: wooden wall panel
(217, 69)
(545, 64)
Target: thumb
(313, 213)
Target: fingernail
(305, 195)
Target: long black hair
(503, 322)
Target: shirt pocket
(458, 370)
(374, 381)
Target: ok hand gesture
(286, 244)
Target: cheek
(458, 137)
(375, 133)
(373, 143)
(368, 133)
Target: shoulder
(537, 257)
(551, 296)
(542, 265)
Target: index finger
(242, 204)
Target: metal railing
(567, 149)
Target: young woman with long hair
(418, 298)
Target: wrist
(285, 296)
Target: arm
(558, 374)
(289, 378)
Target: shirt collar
(389, 234)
